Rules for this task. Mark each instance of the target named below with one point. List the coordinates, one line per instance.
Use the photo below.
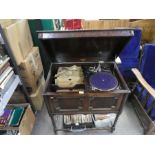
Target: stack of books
(11, 117)
(4, 119)
(6, 74)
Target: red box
(72, 24)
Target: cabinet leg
(114, 124)
(53, 123)
(112, 129)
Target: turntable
(103, 89)
(103, 81)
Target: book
(5, 117)
(3, 62)
(4, 67)
(6, 84)
(16, 116)
(5, 74)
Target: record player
(102, 90)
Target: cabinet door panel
(62, 104)
(103, 103)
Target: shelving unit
(16, 81)
(8, 94)
(7, 49)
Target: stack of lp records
(77, 121)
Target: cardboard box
(104, 24)
(31, 70)
(27, 122)
(19, 38)
(6, 22)
(37, 97)
(148, 29)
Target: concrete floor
(128, 124)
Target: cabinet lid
(84, 45)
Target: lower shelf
(86, 129)
(27, 121)
(98, 122)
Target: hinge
(1, 39)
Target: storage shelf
(85, 129)
(9, 128)
(6, 97)
(106, 111)
(14, 128)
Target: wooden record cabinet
(85, 48)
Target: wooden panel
(147, 26)
(102, 103)
(62, 104)
(104, 24)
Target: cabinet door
(67, 104)
(104, 103)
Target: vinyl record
(103, 81)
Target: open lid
(84, 45)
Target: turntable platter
(103, 81)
